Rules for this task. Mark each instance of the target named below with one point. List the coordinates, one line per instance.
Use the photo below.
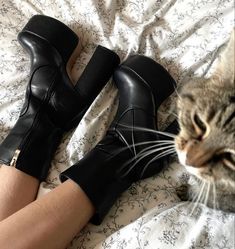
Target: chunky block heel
(101, 63)
(52, 104)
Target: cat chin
(182, 157)
(182, 160)
(201, 173)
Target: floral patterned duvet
(185, 37)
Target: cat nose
(198, 155)
(197, 160)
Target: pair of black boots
(53, 106)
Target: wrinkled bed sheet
(185, 37)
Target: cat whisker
(177, 93)
(198, 198)
(213, 189)
(156, 142)
(156, 146)
(175, 115)
(170, 113)
(133, 141)
(207, 193)
(162, 154)
(161, 144)
(169, 151)
(141, 157)
(195, 196)
(165, 153)
(214, 196)
(147, 153)
(167, 134)
(125, 141)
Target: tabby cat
(206, 142)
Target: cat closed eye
(228, 159)
(199, 125)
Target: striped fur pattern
(206, 142)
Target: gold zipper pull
(14, 158)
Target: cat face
(205, 144)
(206, 115)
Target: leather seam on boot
(130, 69)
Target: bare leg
(50, 222)
(17, 189)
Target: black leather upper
(44, 116)
(143, 85)
(53, 105)
(49, 86)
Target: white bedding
(184, 37)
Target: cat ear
(224, 71)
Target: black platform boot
(118, 159)
(53, 104)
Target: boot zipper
(14, 158)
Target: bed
(184, 36)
